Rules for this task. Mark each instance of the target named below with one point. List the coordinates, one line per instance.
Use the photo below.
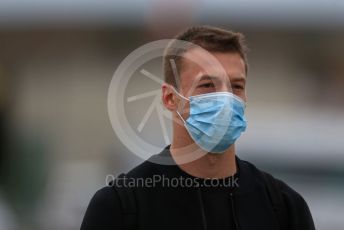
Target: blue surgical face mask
(216, 120)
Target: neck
(206, 165)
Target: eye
(237, 86)
(206, 85)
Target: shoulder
(103, 211)
(298, 212)
(288, 193)
(145, 169)
(105, 208)
(294, 200)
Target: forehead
(196, 62)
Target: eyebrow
(238, 78)
(213, 77)
(207, 77)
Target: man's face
(198, 76)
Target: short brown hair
(212, 39)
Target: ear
(168, 97)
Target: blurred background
(57, 59)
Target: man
(207, 101)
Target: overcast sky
(318, 13)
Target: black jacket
(161, 207)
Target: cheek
(185, 109)
(241, 94)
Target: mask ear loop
(181, 117)
(174, 89)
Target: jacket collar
(246, 170)
(251, 203)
